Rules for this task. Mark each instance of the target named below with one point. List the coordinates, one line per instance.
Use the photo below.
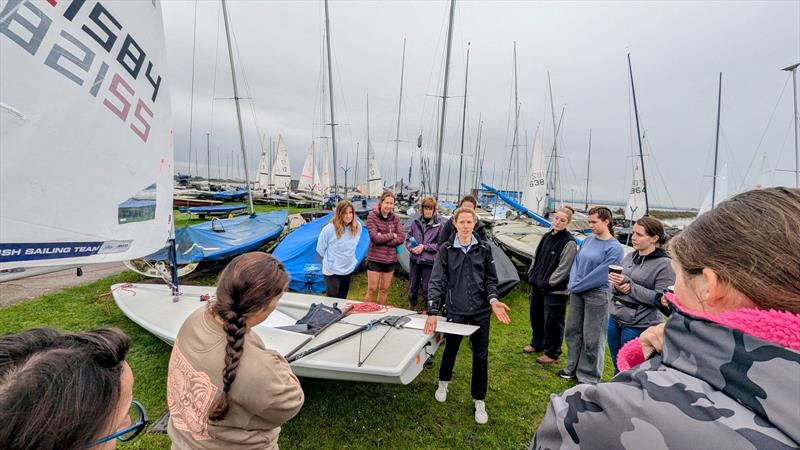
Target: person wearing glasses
(422, 245)
(67, 391)
(723, 371)
(225, 389)
(587, 320)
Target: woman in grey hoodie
(636, 292)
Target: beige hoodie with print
(264, 395)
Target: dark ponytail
(246, 286)
(604, 213)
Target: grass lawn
(341, 414)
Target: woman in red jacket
(385, 234)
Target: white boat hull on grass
(398, 355)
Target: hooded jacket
(428, 236)
(382, 243)
(729, 381)
(464, 281)
(649, 276)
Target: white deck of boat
(398, 357)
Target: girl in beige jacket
(225, 389)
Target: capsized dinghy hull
(380, 355)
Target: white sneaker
(481, 416)
(441, 391)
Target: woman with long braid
(225, 389)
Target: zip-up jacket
(725, 381)
(649, 276)
(428, 236)
(382, 243)
(549, 270)
(465, 281)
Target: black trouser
(480, 353)
(419, 277)
(547, 314)
(336, 286)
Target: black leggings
(336, 286)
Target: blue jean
(618, 335)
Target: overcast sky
(677, 50)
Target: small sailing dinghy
(378, 351)
(223, 238)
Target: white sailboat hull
(397, 358)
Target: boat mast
(330, 95)
(514, 150)
(639, 135)
(463, 124)
(399, 109)
(793, 69)
(553, 164)
(238, 109)
(208, 159)
(444, 96)
(588, 165)
(477, 153)
(716, 146)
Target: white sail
(636, 206)
(86, 139)
(533, 197)
(374, 180)
(325, 180)
(765, 174)
(281, 172)
(263, 178)
(307, 180)
(316, 187)
(722, 191)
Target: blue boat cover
(239, 194)
(224, 238)
(298, 252)
(219, 209)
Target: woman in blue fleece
(336, 245)
(588, 299)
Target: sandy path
(27, 288)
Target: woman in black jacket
(464, 279)
(548, 277)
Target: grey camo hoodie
(715, 385)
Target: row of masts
(552, 178)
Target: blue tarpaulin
(298, 252)
(224, 238)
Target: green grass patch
(339, 414)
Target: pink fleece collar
(779, 327)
